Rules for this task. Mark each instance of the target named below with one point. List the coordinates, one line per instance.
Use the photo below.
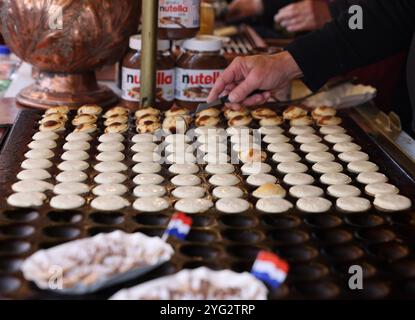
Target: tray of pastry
(308, 186)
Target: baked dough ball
(314, 204)
(273, 205)
(45, 136)
(304, 191)
(362, 166)
(280, 147)
(117, 111)
(211, 112)
(392, 202)
(52, 126)
(255, 168)
(343, 190)
(346, 147)
(109, 203)
(230, 113)
(353, 204)
(76, 145)
(26, 199)
(269, 190)
(332, 129)
(338, 138)
(207, 121)
(146, 118)
(329, 121)
(116, 119)
(293, 112)
(90, 109)
(265, 130)
(57, 109)
(148, 127)
(376, 189)
(327, 167)
(116, 128)
(193, 205)
(176, 111)
(84, 119)
(260, 179)
(149, 191)
(271, 121)
(78, 136)
(323, 111)
(313, 147)
(86, 128)
(302, 121)
(262, 113)
(239, 121)
(232, 205)
(371, 177)
(147, 111)
(300, 130)
(298, 179)
(54, 117)
(67, 201)
(252, 155)
(175, 124)
(335, 178)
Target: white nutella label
(179, 14)
(131, 85)
(195, 85)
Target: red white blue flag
(270, 268)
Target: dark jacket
(388, 28)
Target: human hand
(306, 15)
(245, 75)
(245, 8)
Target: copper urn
(67, 40)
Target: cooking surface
(320, 248)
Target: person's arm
(388, 27)
(271, 7)
(338, 7)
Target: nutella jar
(131, 71)
(178, 19)
(197, 69)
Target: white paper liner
(91, 264)
(198, 284)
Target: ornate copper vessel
(67, 40)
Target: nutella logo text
(174, 8)
(162, 78)
(202, 79)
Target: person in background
(389, 28)
(310, 15)
(305, 15)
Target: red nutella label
(179, 14)
(131, 85)
(195, 85)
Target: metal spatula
(219, 103)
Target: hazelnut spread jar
(131, 71)
(197, 70)
(178, 19)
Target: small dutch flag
(269, 268)
(179, 226)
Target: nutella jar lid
(135, 43)
(203, 43)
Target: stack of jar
(185, 79)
